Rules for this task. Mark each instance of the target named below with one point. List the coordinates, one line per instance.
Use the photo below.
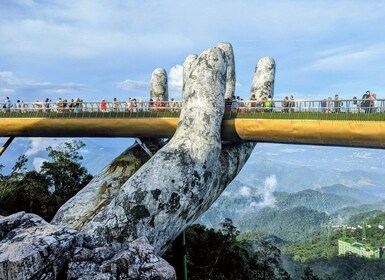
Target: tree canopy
(45, 191)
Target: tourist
(134, 105)
(71, 105)
(228, 104)
(47, 105)
(365, 103)
(285, 105)
(103, 105)
(292, 104)
(173, 105)
(323, 106)
(150, 104)
(337, 104)
(373, 103)
(38, 106)
(77, 105)
(252, 103)
(115, 104)
(140, 105)
(18, 106)
(7, 105)
(234, 104)
(354, 105)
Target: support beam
(5, 146)
(144, 147)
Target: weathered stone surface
(188, 62)
(104, 186)
(31, 248)
(159, 200)
(263, 80)
(185, 177)
(138, 261)
(176, 186)
(159, 85)
(230, 76)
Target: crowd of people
(76, 105)
(367, 104)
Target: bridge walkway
(304, 122)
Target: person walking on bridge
(337, 104)
(7, 104)
(103, 105)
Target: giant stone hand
(181, 181)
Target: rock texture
(263, 80)
(138, 261)
(100, 191)
(159, 199)
(31, 248)
(159, 85)
(104, 186)
(230, 75)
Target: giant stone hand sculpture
(187, 175)
(137, 198)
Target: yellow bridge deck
(355, 133)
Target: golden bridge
(315, 122)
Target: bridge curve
(306, 124)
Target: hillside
(291, 224)
(315, 200)
(344, 191)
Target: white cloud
(11, 84)
(97, 41)
(39, 144)
(363, 155)
(268, 199)
(350, 57)
(38, 162)
(131, 85)
(245, 191)
(293, 150)
(175, 82)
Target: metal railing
(346, 109)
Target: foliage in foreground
(44, 192)
(215, 254)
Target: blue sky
(106, 49)
(109, 48)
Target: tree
(218, 255)
(44, 192)
(35, 196)
(229, 229)
(309, 275)
(10, 191)
(64, 172)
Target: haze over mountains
(295, 167)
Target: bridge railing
(360, 109)
(91, 109)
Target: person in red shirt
(103, 105)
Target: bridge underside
(315, 132)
